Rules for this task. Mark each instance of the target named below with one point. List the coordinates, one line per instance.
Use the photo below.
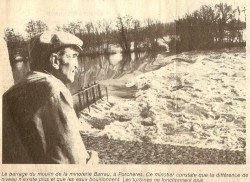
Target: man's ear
(54, 61)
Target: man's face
(68, 65)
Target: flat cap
(50, 41)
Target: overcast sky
(57, 12)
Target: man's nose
(76, 63)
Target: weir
(88, 96)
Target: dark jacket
(40, 124)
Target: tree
(225, 13)
(35, 27)
(12, 36)
(136, 35)
(73, 27)
(15, 43)
(233, 31)
(89, 37)
(58, 28)
(208, 27)
(244, 10)
(106, 35)
(123, 25)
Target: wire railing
(88, 96)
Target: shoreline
(127, 152)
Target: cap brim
(79, 47)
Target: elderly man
(39, 122)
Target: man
(39, 122)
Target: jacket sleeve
(57, 125)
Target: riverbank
(195, 99)
(129, 152)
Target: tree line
(210, 27)
(126, 33)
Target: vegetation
(98, 37)
(209, 27)
(126, 32)
(35, 27)
(15, 43)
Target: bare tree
(244, 10)
(35, 27)
(88, 39)
(15, 43)
(58, 28)
(209, 27)
(107, 35)
(136, 36)
(73, 27)
(225, 13)
(12, 36)
(124, 26)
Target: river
(102, 67)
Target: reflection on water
(109, 67)
(94, 68)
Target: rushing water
(96, 68)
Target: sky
(17, 13)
